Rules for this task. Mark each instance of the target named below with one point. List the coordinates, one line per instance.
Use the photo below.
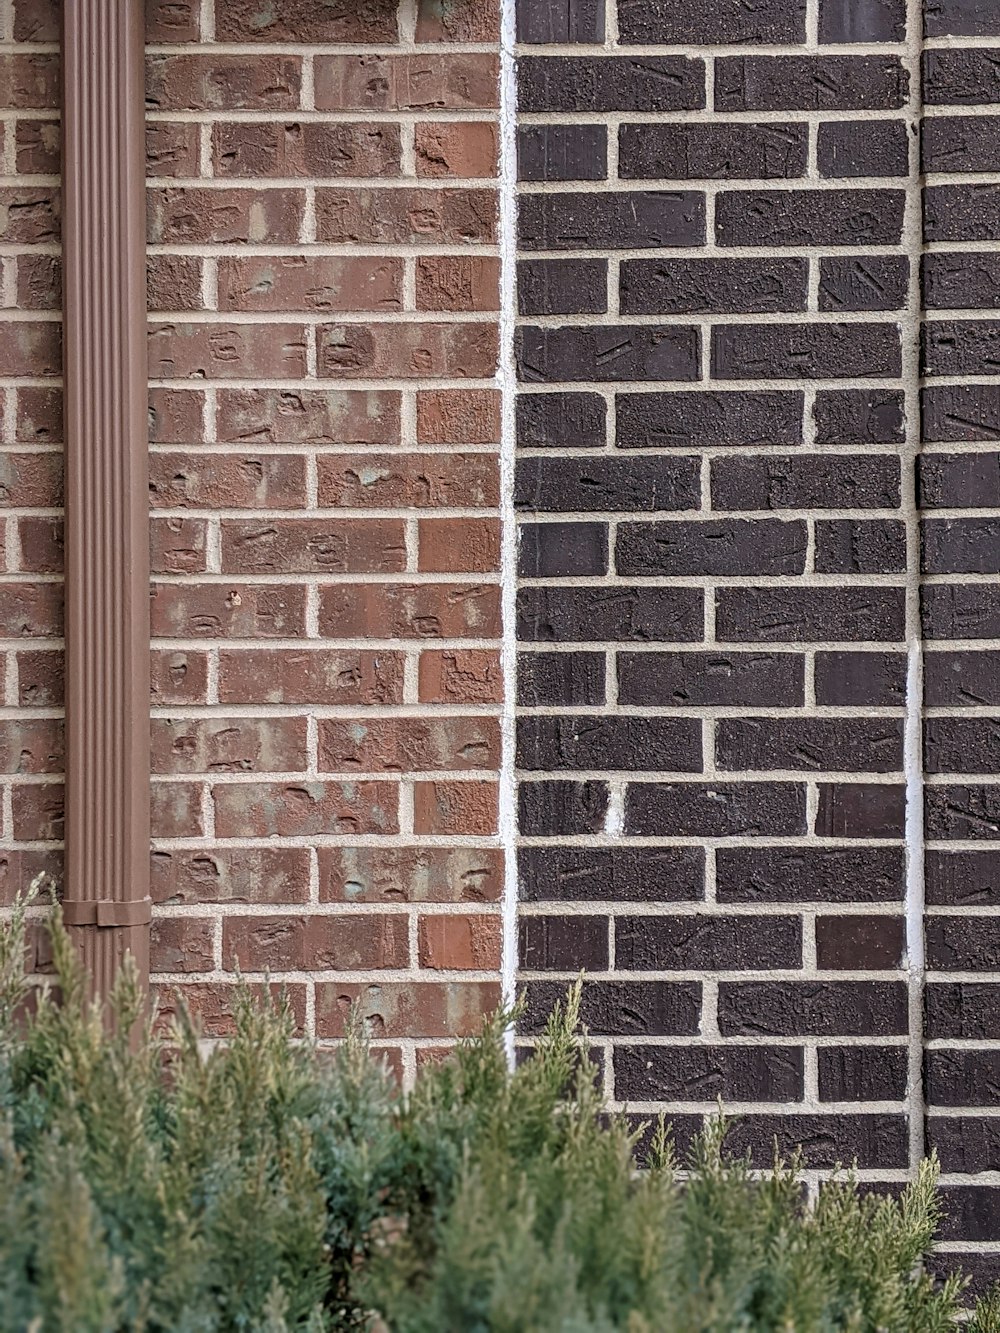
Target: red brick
(39, 415)
(212, 1004)
(178, 676)
(417, 216)
(29, 215)
(405, 1008)
(31, 745)
(310, 676)
(173, 282)
(175, 810)
(31, 348)
(36, 148)
(228, 745)
(182, 944)
(458, 416)
(227, 351)
(231, 874)
(39, 282)
(459, 545)
(189, 215)
(459, 943)
(224, 82)
(36, 20)
(39, 677)
(222, 611)
(408, 481)
(38, 811)
(423, 82)
(396, 351)
(307, 21)
(410, 611)
(466, 149)
(451, 807)
(458, 282)
(31, 610)
(30, 82)
(457, 21)
(226, 481)
(313, 416)
(172, 148)
(173, 20)
(275, 809)
(468, 676)
(310, 149)
(410, 874)
(177, 545)
(313, 545)
(41, 543)
(20, 867)
(314, 943)
(175, 414)
(31, 481)
(309, 282)
(408, 744)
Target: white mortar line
(507, 384)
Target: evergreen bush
(150, 1184)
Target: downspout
(106, 903)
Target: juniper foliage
(148, 1184)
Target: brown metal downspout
(106, 901)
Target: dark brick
(711, 546)
(562, 943)
(612, 220)
(862, 1073)
(706, 1073)
(547, 809)
(962, 745)
(711, 679)
(859, 416)
(861, 810)
(583, 84)
(642, 744)
(967, 1010)
(810, 874)
(962, 212)
(562, 286)
(711, 286)
(960, 546)
(687, 420)
(712, 152)
(554, 550)
(715, 810)
(810, 83)
(810, 744)
(959, 481)
(601, 484)
(962, 943)
(717, 943)
(805, 351)
(961, 77)
(583, 615)
(960, 347)
(961, 18)
(962, 879)
(562, 153)
(961, 281)
(809, 615)
(621, 1008)
(970, 1212)
(855, 148)
(859, 943)
(960, 611)
(960, 413)
(813, 1008)
(592, 353)
(862, 20)
(551, 679)
(961, 679)
(611, 874)
(723, 22)
(809, 481)
(962, 811)
(864, 282)
(860, 546)
(809, 217)
(559, 21)
(826, 1141)
(960, 143)
(861, 680)
(561, 421)
(965, 1144)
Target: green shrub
(150, 1185)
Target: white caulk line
(507, 384)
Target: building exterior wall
(758, 539)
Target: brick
(610, 874)
(810, 874)
(701, 419)
(961, 679)
(309, 282)
(965, 1144)
(708, 1073)
(38, 812)
(176, 810)
(962, 212)
(36, 147)
(31, 745)
(722, 810)
(864, 282)
(314, 943)
(410, 874)
(218, 81)
(960, 143)
(30, 610)
(962, 879)
(39, 415)
(553, 550)
(712, 286)
(29, 215)
(548, 809)
(857, 546)
(798, 218)
(964, 76)
(609, 743)
(428, 81)
(805, 351)
(870, 1009)
(580, 615)
(468, 545)
(212, 1004)
(586, 84)
(178, 676)
(960, 546)
(813, 744)
(276, 809)
(31, 481)
(457, 282)
(231, 481)
(228, 745)
(554, 679)
(459, 943)
(621, 1008)
(861, 810)
(710, 679)
(809, 481)
(629, 485)
(407, 745)
(592, 354)
(961, 943)
(860, 1074)
(215, 875)
(18, 868)
(962, 1078)
(408, 481)
(172, 21)
(613, 220)
(171, 149)
(220, 611)
(712, 152)
(855, 148)
(29, 347)
(466, 149)
(412, 216)
(562, 153)
(687, 943)
(859, 943)
(963, 280)
(319, 151)
(173, 282)
(960, 18)
(960, 413)
(344, 417)
(555, 21)
(182, 944)
(557, 420)
(175, 414)
(966, 1010)
(970, 1213)
(391, 351)
(410, 611)
(467, 676)
(36, 21)
(810, 83)
(728, 21)
(310, 676)
(476, 21)
(192, 216)
(856, 416)
(452, 1009)
(312, 545)
(961, 745)
(959, 347)
(30, 80)
(446, 808)
(825, 1141)
(562, 943)
(862, 20)
(309, 21)
(712, 547)
(809, 615)
(562, 287)
(960, 610)
(41, 543)
(458, 416)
